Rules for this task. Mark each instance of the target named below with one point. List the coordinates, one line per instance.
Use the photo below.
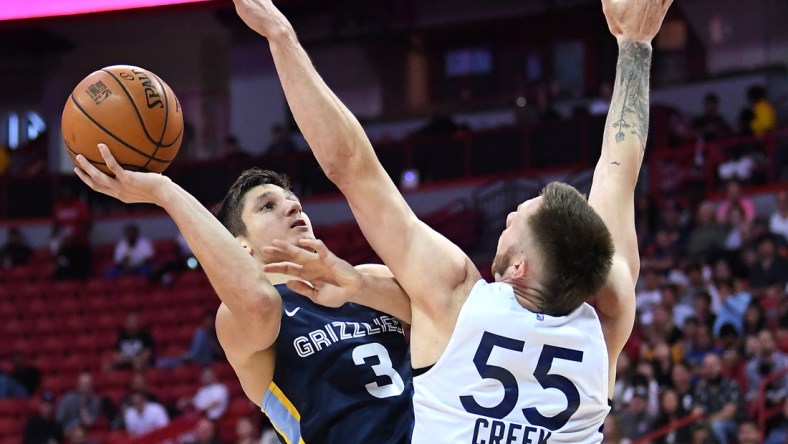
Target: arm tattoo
(629, 105)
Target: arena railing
(763, 412)
(675, 170)
(664, 430)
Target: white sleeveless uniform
(511, 376)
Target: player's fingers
(303, 288)
(296, 253)
(85, 178)
(315, 245)
(284, 268)
(109, 159)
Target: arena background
(472, 107)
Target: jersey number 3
(383, 368)
(509, 382)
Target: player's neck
(528, 298)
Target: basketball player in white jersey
(525, 359)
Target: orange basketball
(129, 109)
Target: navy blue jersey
(342, 375)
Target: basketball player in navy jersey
(321, 374)
(525, 359)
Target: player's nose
(293, 207)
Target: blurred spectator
(612, 433)
(16, 251)
(732, 307)
(681, 382)
(11, 388)
(134, 346)
(601, 105)
(184, 260)
(635, 418)
(79, 407)
(662, 363)
(138, 384)
(770, 269)
(673, 220)
(212, 397)
(695, 283)
(702, 345)
(778, 222)
(246, 431)
(144, 416)
(738, 229)
(707, 237)
(779, 432)
(734, 196)
(710, 125)
(133, 254)
(280, 141)
(749, 433)
(78, 435)
(719, 398)
(204, 433)
(648, 296)
(767, 360)
(678, 311)
(41, 427)
(702, 304)
(661, 254)
(204, 349)
(671, 411)
(72, 224)
(232, 151)
(25, 373)
(764, 116)
(754, 319)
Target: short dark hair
(229, 210)
(576, 246)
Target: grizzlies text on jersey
(342, 375)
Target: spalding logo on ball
(129, 109)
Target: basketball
(129, 109)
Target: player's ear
(520, 268)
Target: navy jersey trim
(422, 370)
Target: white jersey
(509, 375)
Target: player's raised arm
(634, 23)
(250, 302)
(344, 152)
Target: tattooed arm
(634, 23)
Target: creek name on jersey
(495, 431)
(337, 331)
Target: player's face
(269, 213)
(515, 234)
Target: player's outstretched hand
(333, 280)
(262, 17)
(635, 20)
(126, 186)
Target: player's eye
(266, 206)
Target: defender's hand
(333, 280)
(262, 17)
(635, 20)
(126, 186)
